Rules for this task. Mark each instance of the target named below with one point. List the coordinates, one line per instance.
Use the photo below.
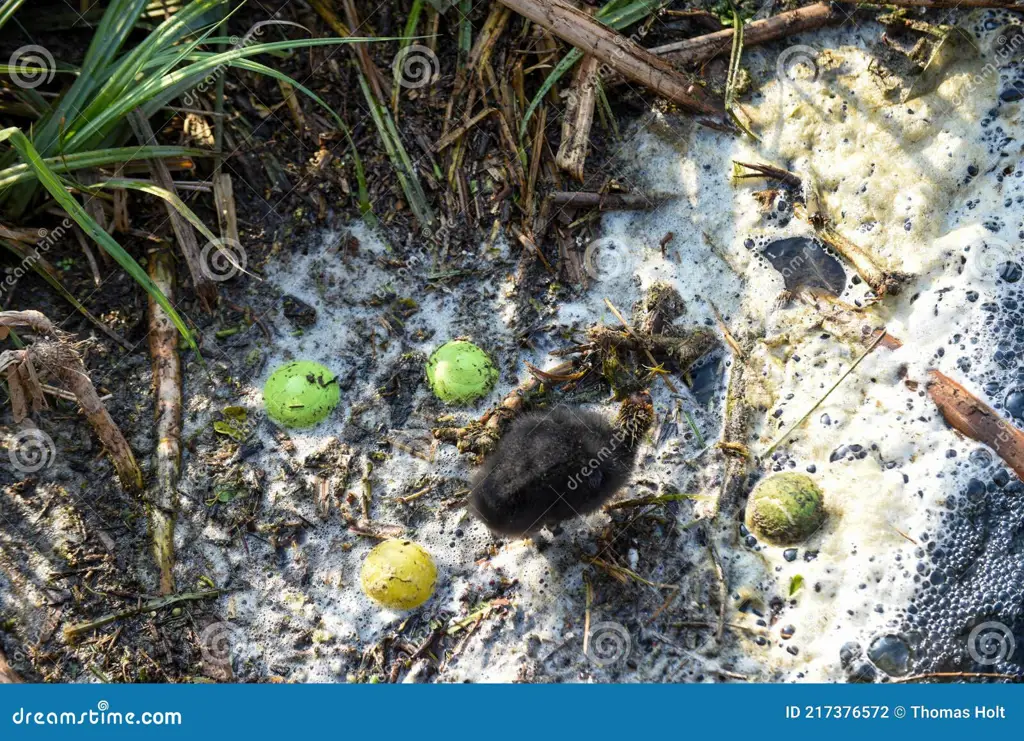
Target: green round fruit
(300, 394)
(459, 372)
(399, 574)
(785, 509)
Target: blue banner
(526, 711)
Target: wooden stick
(7, 674)
(969, 415)
(73, 632)
(35, 320)
(206, 289)
(62, 360)
(163, 348)
(883, 282)
(578, 118)
(72, 372)
(224, 199)
(947, 3)
(692, 52)
(605, 201)
(618, 52)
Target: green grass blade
(465, 28)
(130, 65)
(175, 83)
(410, 31)
(735, 55)
(63, 69)
(96, 158)
(400, 160)
(81, 217)
(554, 76)
(111, 33)
(7, 10)
(117, 23)
(144, 186)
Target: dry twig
(163, 348)
(618, 52)
(61, 359)
(969, 415)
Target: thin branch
(969, 415)
(73, 632)
(618, 52)
(163, 348)
(820, 401)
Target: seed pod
(300, 394)
(785, 509)
(459, 372)
(399, 574)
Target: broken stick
(605, 201)
(73, 632)
(972, 417)
(695, 51)
(206, 289)
(59, 357)
(163, 348)
(578, 118)
(621, 54)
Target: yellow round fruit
(399, 574)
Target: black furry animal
(554, 465)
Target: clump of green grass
(87, 125)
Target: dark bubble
(1010, 271)
(891, 654)
(1015, 403)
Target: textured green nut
(399, 574)
(785, 509)
(300, 394)
(459, 372)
